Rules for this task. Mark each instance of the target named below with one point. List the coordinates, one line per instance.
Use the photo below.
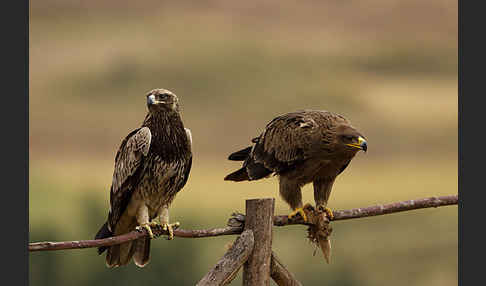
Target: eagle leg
(164, 221)
(143, 220)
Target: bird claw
(328, 212)
(170, 229)
(298, 211)
(146, 226)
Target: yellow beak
(361, 144)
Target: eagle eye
(348, 137)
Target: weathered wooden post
(227, 267)
(281, 275)
(259, 219)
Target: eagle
(151, 166)
(301, 147)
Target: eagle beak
(151, 99)
(362, 144)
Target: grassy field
(388, 66)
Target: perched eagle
(151, 166)
(301, 147)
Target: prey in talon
(151, 166)
(302, 147)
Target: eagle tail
(238, 176)
(257, 171)
(240, 155)
(141, 255)
(121, 254)
(104, 232)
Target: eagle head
(162, 100)
(349, 140)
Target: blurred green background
(390, 66)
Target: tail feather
(240, 155)
(113, 256)
(121, 254)
(238, 176)
(104, 232)
(256, 170)
(141, 255)
(126, 252)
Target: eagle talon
(147, 227)
(170, 228)
(328, 212)
(298, 211)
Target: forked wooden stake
(280, 274)
(227, 267)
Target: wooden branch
(227, 267)
(237, 226)
(196, 233)
(432, 202)
(259, 218)
(280, 274)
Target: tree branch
(236, 224)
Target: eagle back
(294, 137)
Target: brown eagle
(301, 147)
(151, 166)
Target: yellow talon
(298, 211)
(327, 210)
(147, 227)
(329, 213)
(170, 228)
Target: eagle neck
(169, 139)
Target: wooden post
(259, 219)
(227, 267)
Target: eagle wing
(187, 169)
(128, 166)
(292, 138)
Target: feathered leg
(143, 219)
(164, 221)
(291, 193)
(322, 191)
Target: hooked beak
(362, 145)
(151, 100)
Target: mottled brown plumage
(301, 147)
(151, 166)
